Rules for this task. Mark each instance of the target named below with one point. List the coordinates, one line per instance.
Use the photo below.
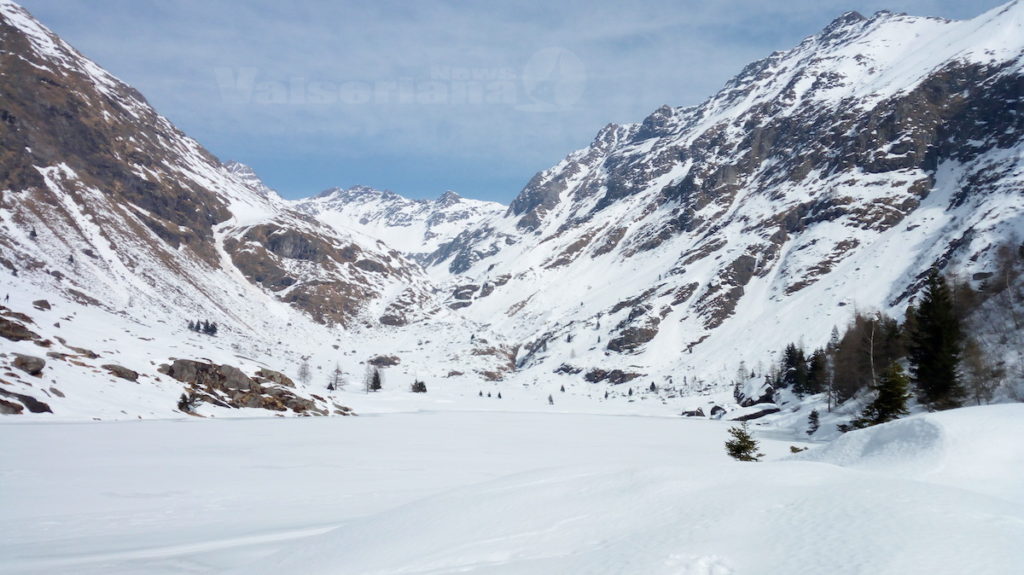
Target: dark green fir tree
(891, 402)
(742, 446)
(935, 347)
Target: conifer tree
(813, 422)
(376, 384)
(891, 402)
(817, 373)
(935, 347)
(794, 369)
(742, 446)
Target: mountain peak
(448, 198)
(843, 20)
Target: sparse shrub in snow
(742, 446)
(418, 387)
(336, 381)
(188, 402)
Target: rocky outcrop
(614, 376)
(228, 386)
(30, 364)
(756, 412)
(121, 372)
(754, 392)
(15, 331)
(30, 403)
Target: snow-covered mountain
(116, 230)
(821, 180)
(418, 228)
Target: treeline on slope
(949, 350)
(203, 326)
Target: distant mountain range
(821, 180)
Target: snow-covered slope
(417, 228)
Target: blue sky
(423, 97)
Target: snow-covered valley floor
(506, 492)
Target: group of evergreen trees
(203, 326)
(871, 355)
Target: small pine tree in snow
(418, 387)
(813, 422)
(742, 446)
(562, 389)
(551, 400)
(374, 381)
(653, 388)
(893, 392)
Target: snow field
(475, 492)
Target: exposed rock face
(615, 376)
(756, 413)
(228, 386)
(276, 377)
(89, 171)
(385, 361)
(15, 331)
(754, 393)
(30, 403)
(122, 372)
(29, 364)
(314, 271)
